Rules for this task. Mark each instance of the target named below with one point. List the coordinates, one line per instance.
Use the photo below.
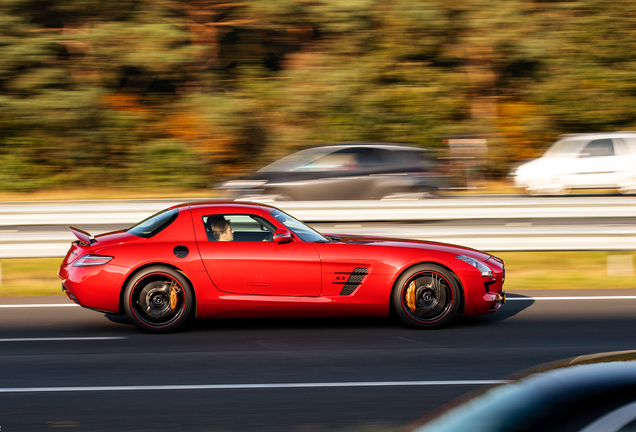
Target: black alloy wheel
(158, 299)
(426, 296)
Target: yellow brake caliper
(410, 296)
(173, 296)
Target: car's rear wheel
(426, 296)
(158, 299)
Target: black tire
(426, 296)
(158, 299)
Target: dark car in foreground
(234, 259)
(359, 171)
(592, 393)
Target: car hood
(542, 163)
(414, 244)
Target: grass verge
(30, 277)
(524, 270)
(569, 270)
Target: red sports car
(229, 259)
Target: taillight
(92, 260)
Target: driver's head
(220, 228)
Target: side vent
(354, 280)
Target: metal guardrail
(130, 212)
(409, 219)
(463, 209)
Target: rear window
(406, 159)
(154, 224)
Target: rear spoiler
(83, 236)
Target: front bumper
(495, 300)
(485, 295)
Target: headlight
(92, 260)
(483, 268)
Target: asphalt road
(71, 368)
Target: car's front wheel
(426, 296)
(158, 299)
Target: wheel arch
(139, 269)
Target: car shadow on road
(508, 310)
(119, 319)
(515, 304)
(289, 323)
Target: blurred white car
(582, 161)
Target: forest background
(157, 93)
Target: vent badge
(353, 281)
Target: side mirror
(281, 235)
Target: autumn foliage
(129, 93)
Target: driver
(220, 228)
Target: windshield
(296, 161)
(306, 233)
(154, 224)
(567, 147)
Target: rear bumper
(95, 288)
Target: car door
(339, 175)
(596, 165)
(395, 171)
(252, 263)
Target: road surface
(68, 367)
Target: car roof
(384, 146)
(246, 205)
(604, 357)
(617, 134)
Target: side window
(154, 224)
(367, 158)
(241, 228)
(346, 159)
(599, 147)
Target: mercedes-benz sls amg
(231, 259)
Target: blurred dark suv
(342, 172)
